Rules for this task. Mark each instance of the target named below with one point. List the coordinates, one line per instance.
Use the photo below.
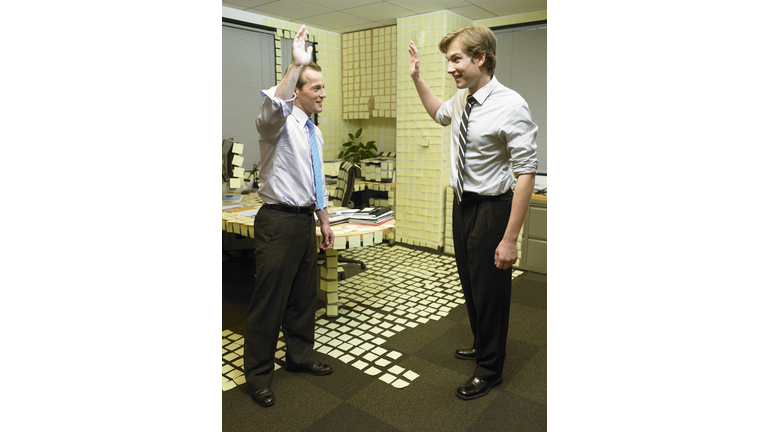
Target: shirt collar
(482, 94)
(300, 115)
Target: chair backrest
(345, 184)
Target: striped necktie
(463, 148)
(316, 165)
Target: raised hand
(428, 99)
(414, 59)
(301, 56)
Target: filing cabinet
(534, 241)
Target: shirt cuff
(285, 107)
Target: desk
(346, 236)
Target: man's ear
(480, 59)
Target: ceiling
(343, 16)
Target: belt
(290, 209)
(469, 196)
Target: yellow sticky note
(332, 298)
(329, 286)
(339, 243)
(329, 273)
(332, 310)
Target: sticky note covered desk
(237, 218)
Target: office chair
(342, 197)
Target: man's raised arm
(300, 58)
(428, 99)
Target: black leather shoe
(475, 388)
(316, 369)
(466, 353)
(263, 396)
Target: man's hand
(414, 60)
(506, 255)
(301, 56)
(328, 237)
(506, 252)
(428, 99)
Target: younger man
(492, 142)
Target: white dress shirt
(287, 174)
(501, 138)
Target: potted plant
(355, 152)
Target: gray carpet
(398, 287)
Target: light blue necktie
(316, 165)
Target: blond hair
(301, 81)
(476, 40)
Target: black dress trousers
(285, 295)
(479, 224)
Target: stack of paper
(372, 216)
(338, 217)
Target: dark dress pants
(478, 228)
(285, 295)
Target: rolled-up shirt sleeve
(326, 197)
(519, 131)
(272, 114)
(443, 114)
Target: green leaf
(340, 153)
(359, 131)
(351, 137)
